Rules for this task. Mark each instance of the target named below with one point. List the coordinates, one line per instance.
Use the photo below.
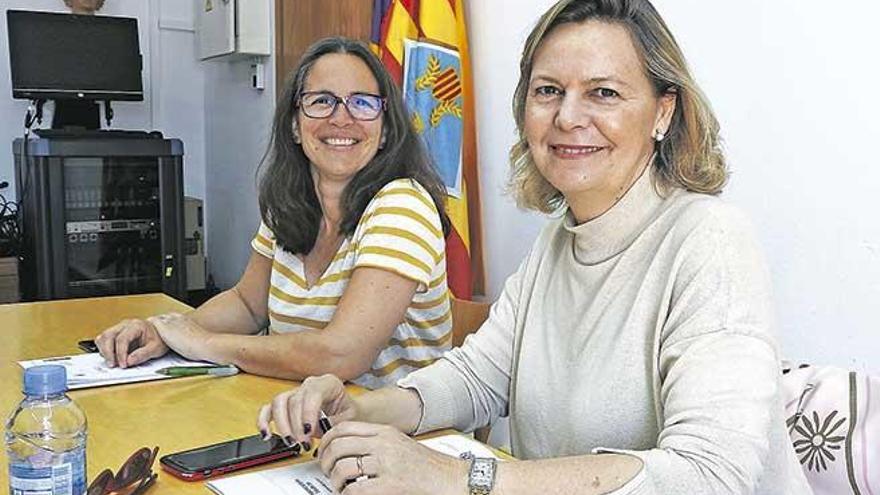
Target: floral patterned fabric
(833, 417)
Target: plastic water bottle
(46, 437)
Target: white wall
(496, 36)
(795, 86)
(173, 82)
(178, 88)
(238, 120)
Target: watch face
(482, 473)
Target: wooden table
(174, 414)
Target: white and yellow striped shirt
(400, 231)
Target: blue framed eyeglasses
(322, 104)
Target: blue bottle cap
(45, 380)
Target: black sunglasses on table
(134, 477)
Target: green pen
(175, 371)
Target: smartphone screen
(228, 453)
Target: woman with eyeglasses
(348, 268)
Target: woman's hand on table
(365, 458)
(129, 343)
(183, 336)
(296, 413)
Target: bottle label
(65, 476)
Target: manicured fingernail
(325, 425)
(307, 428)
(315, 453)
(265, 434)
(288, 440)
(307, 445)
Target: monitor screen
(68, 56)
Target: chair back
(467, 317)
(834, 422)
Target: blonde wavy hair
(689, 157)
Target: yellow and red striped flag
(423, 44)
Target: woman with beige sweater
(633, 349)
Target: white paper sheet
(307, 479)
(90, 370)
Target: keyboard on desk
(96, 134)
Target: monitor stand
(82, 114)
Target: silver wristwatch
(481, 476)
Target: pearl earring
(659, 135)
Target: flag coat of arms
(432, 91)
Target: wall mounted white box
(234, 28)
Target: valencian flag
(423, 44)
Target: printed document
(90, 370)
(307, 479)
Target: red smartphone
(225, 457)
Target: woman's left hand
(183, 335)
(387, 462)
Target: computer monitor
(73, 58)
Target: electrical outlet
(258, 75)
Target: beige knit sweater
(647, 330)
